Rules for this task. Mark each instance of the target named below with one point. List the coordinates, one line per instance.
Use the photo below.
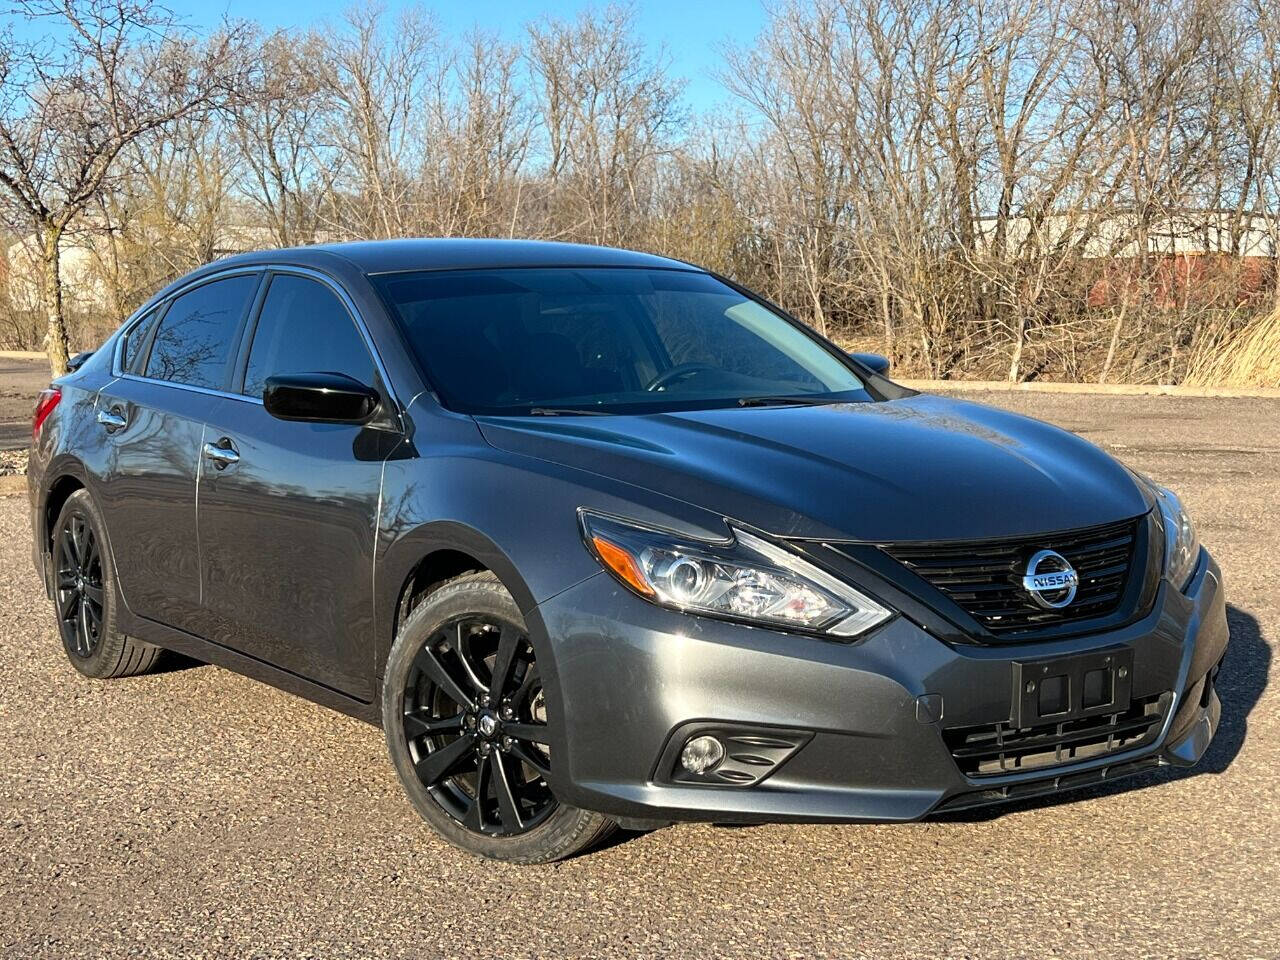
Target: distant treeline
(1066, 189)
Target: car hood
(919, 468)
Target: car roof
(451, 253)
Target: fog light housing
(701, 754)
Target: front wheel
(466, 719)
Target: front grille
(985, 577)
(1000, 748)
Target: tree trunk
(819, 315)
(51, 293)
(886, 316)
(885, 302)
(1115, 335)
(1015, 363)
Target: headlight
(1181, 546)
(744, 578)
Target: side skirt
(219, 656)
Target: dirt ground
(197, 813)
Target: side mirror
(873, 361)
(320, 398)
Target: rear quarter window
(133, 354)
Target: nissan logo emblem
(1050, 580)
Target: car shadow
(170, 661)
(1240, 686)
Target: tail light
(45, 403)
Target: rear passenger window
(304, 328)
(135, 343)
(196, 338)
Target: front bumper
(870, 724)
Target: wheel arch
(436, 568)
(441, 551)
(59, 493)
(62, 479)
(429, 555)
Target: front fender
(518, 516)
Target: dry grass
(1250, 358)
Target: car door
(288, 510)
(172, 363)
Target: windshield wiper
(795, 401)
(566, 412)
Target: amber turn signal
(623, 565)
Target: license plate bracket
(1057, 689)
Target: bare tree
(376, 75)
(478, 137)
(121, 69)
(173, 207)
(1086, 189)
(277, 131)
(610, 114)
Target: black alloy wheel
(475, 722)
(83, 586)
(79, 588)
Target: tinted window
(505, 341)
(135, 342)
(196, 337)
(304, 328)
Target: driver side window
(305, 328)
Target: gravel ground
(20, 381)
(196, 813)
(13, 463)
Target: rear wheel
(84, 596)
(466, 719)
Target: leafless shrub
(1084, 189)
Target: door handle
(223, 453)
(112, 419)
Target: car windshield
(606, 340)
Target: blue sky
(690, 29)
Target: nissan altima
(600, 538)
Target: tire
(455, 751)
(85, 597)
